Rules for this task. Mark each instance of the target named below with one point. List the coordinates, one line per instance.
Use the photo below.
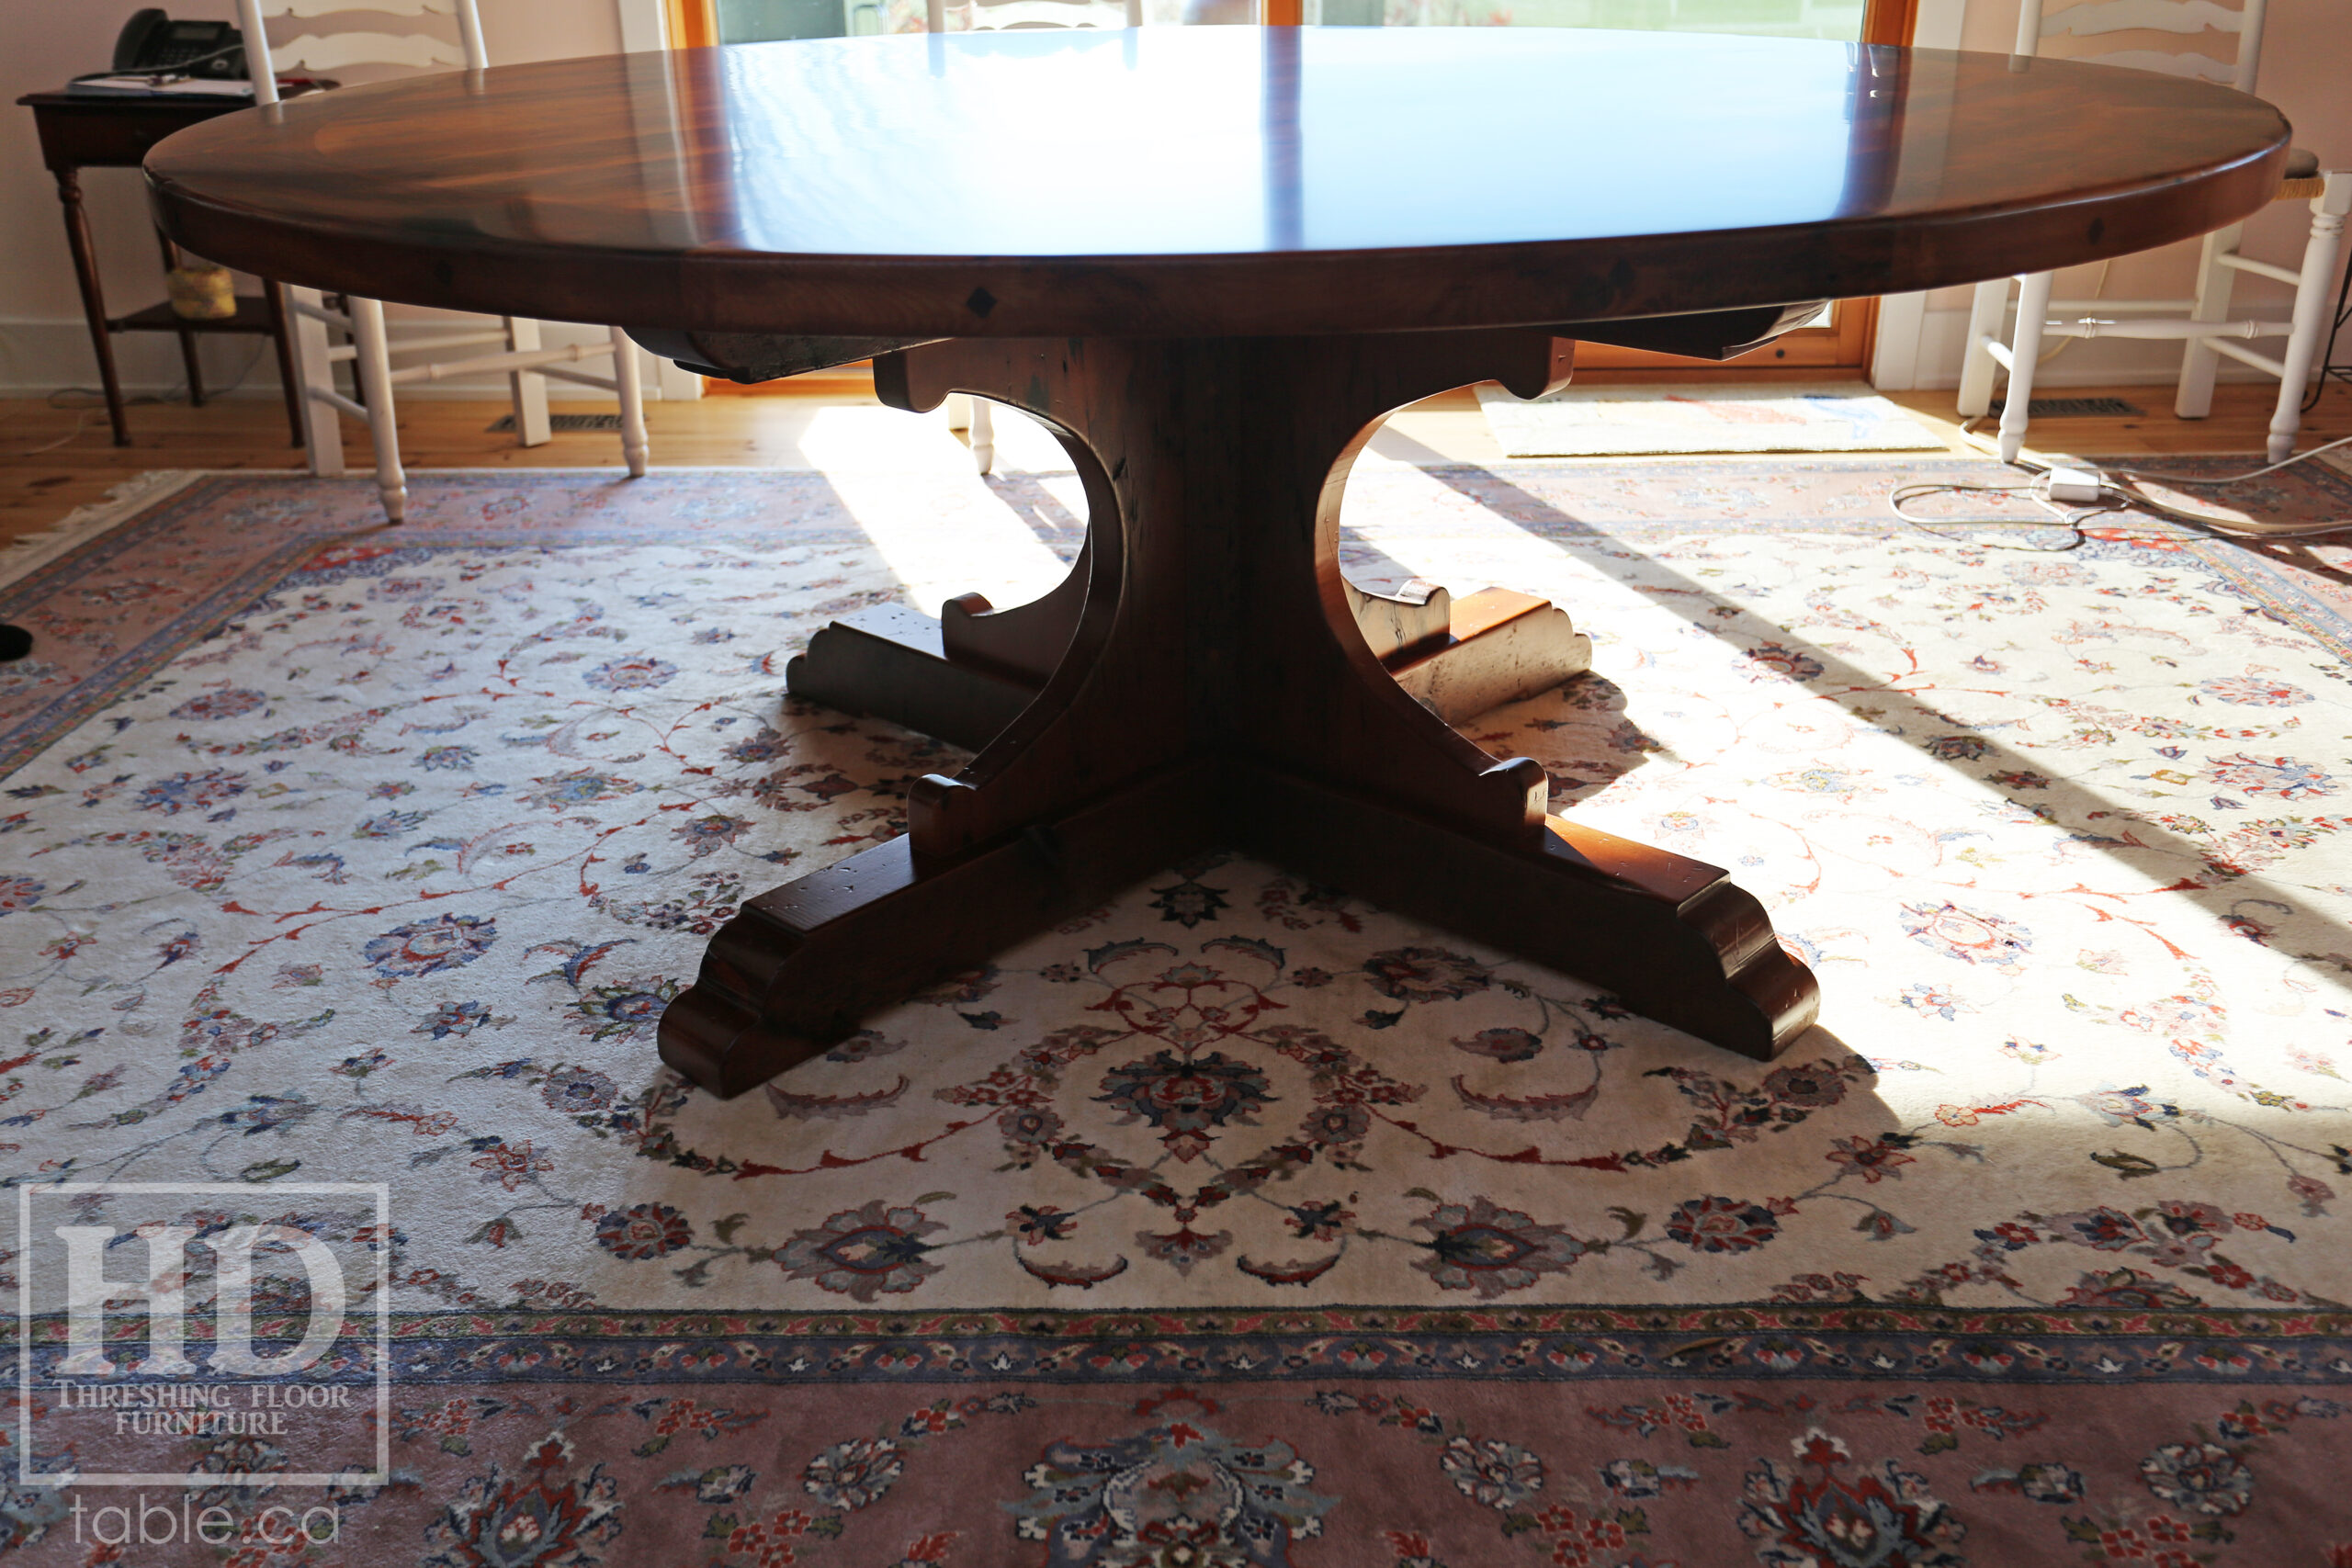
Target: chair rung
(2175, 331)
(320, 313)
(338, 353)
(2261, 362)
(458, 340)
(335, 400)
(2092, 307)
(2260, 268)
(503, 364)
(2097, 306)
(606, 383)
(2000, 353)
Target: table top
(1210, 181)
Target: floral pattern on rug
(392, 876)
(375, 856)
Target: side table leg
(93, 302)
(274, 295)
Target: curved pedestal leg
(1214, 688)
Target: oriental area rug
(345, 871)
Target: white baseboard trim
(38, 358)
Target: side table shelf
(79, 132)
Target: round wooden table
(1212, 260)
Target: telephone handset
(153, 42)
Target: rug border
(28, 553)
(1557, 1345)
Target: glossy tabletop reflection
(1211, 179)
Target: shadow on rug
(344, 873)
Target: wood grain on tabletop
(1234, 180)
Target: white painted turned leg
(383, 421)
(2025, 352)
(983, 436)
(321, 425)
(628, 376)
(529, 388)
(2198, 360)
(2314, 299)
(1986, 317)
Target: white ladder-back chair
(1000, 16)
(2204, 323)
(526, 364)
(972, 415)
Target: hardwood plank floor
(40, 487)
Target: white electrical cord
(67, 439)
(177, 395)
(2115, 497)
(2036, 491)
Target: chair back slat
(338, 51)
(2137, 15)
(2197, 67)
(1010, 14)
(2241, 24)
(306, 9)
(342, 50)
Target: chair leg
(1986, 317)
(2198, 361)
(383, 420)
(958, 407)
(322, 426)
(629, 377)
(2025, 353)
(2314, 299)
(983, 435)
(529, 388)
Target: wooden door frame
(692, 24)
(1841, 349)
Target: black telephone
(152, 42)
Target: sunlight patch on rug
(387, 874)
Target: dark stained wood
(1216, 690)
(1259, 243)
(749, 358)
(1229, 181)
(80, 131)
(966, 677)
(889, 661)
(94, 299)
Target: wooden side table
(79, 132)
